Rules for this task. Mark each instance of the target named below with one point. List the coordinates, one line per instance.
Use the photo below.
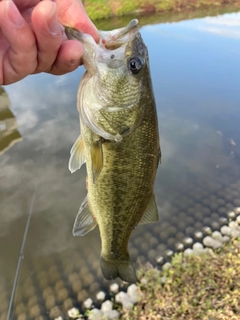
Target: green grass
(196, 287)
(99, 9)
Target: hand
(32, 39)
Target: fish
(119, 141)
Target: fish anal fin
(77, 157)
(151, 213)
(97, 158)
(84, 221)
(122, 269)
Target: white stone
(179, 246)
(188, 252)
(73, 313)
(206, 250)
(233, 224)
(237, 210)
(88, 303)
(95, 314)
(100, 296)
(235, 233)
(225, 239)
(235, 229)
(124, 299)
(134, 293)
(232, 230)
(143, 280)
(231, 214)
(212, 243)
(197, 246)
(217, 235)
(238, 220)
(166, 266)
(163, 280)
(188, 241)
(198, 249)
(169, 253)
(207, 230)
(225, 230)
(198, 234)
(114, 288)
(106, 306)
(112, 315)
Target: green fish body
(119, 142)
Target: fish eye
(135, 65)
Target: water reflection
(195, 76)
(9, 134)
(223, 26)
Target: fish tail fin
(122, 269)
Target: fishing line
(21, 255)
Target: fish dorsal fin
(77, 157)
(84, 221)
(97, 158)
(151, 213)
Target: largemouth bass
(119, 142)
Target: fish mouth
(111, 48)
(114, 39)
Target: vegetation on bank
(195, 287)
(99, 9)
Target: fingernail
(13, 14)
(52, 21)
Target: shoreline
(105, 9)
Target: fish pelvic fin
(77, 157)
(84, 221)
(122, 269)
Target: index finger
(71, 13)
(25, 4)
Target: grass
(122, 21)
(195, 287)
(99, 9)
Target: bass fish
(119, 142)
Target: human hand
(32, 39)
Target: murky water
(195, 74)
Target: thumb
(71, 13)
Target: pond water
(195, 73)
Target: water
(195, 73)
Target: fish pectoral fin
(84, 221)
(151, 213)
(97, 158)
(77, 157)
